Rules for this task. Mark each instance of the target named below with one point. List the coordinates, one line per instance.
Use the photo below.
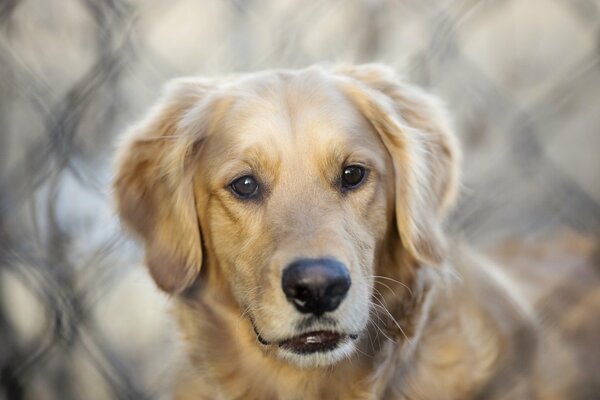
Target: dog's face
(288, 187)
(293, 200)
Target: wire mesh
(78, 316)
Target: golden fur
(434, 321)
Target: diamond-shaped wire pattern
(79, 318)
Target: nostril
(300, 294)
(315, 285)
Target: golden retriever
(296, 217)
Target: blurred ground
(79, 317)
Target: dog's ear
(154, 184)
(415, 130)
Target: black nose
(315, 285)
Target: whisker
(245, 312)
(373, 322)
(382, 307)
(362, 352)
(371, 340)
(389, 288)
(379, 328)
(392, 280)
(378, 292)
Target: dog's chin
(314, 349)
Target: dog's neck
(390, 361)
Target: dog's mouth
(311, 342)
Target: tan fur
(435, 321)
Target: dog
(296, 217)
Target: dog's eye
(353, 176)
(245, 187)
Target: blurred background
(79, 317)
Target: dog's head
(289, 189)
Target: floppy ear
(154, 185)
(415, 130)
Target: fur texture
(432, 319)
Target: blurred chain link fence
(79, 318)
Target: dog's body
(313, 201)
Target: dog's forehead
(303, 111)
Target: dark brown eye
(352, 176)
(245, 187)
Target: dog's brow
(338, 156)
(366, 156)
(250, 160)
(259, 159)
